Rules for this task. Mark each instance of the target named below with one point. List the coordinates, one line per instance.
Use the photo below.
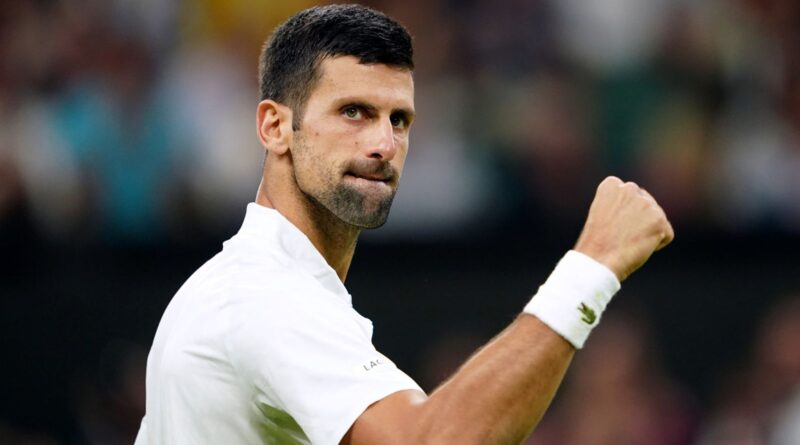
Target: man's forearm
(501, 393)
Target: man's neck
(334, 239)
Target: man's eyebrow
(352, 101)
(407, 113)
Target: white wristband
(573, 298)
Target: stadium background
(128, 152)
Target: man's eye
(352, 112)
(397, 121)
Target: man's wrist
(573, 298)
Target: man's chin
(360, 210)
(367, 220)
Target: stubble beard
(355, 208)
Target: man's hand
(624, 227)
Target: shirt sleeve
(310, 353)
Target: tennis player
(262, 345)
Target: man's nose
(383, 144)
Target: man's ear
(274, 122)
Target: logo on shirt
(374, 364)
(589, 317)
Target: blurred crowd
(617, 391)
(634, 401)
(132, 122)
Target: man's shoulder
(263, 274)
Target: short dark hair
(290, 59)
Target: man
(262, 345)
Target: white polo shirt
(262, 346)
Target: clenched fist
(624, 227)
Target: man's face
(349, 152)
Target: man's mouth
(371, 176)
(371, 173)
(374, 181)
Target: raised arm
(500, 394)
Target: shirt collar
(272, 227)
